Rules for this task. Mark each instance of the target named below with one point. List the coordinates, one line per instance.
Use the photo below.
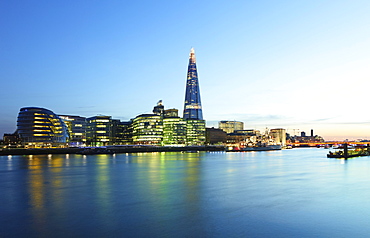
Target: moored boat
(255, 148)
(262, 148)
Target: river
(288, 193)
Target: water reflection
(166, 185)
(167, 194)
(102, 189)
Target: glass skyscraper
(192, 106)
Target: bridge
(321, 144)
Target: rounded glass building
(40, 127)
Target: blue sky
(299, 65)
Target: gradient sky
(298, 65)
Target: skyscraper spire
(192, 105)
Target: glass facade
(231, 126)
(40, 127)
(171, 113)
(122, 132)
(147, 129)
(76, 128)
(195, 132)
(174, 131)
(192, 105)
(99, 131)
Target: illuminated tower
(192, 106)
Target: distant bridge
(317, 144)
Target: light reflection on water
(290, 193)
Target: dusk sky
(298, 65)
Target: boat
(254, 148)
(261, 148)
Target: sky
(298, 65)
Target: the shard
(192, 105)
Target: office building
(11, 140)
(192, 105)
(40, 127)
(215, 136)
(278, 135)
(195, 132)
(99, 131)
(171, 112)
(231, 126)
(147, 129)
(122, 132)
(174, 131)
(76, 128)
(250, 132)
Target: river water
(288, 193)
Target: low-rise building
(11, 140)
(215, 136)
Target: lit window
(101, 120)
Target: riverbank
(114, 149)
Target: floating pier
(346, 152)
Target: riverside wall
(114, 149)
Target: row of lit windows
(38, 130)
(43, 135)
(40, 126)
(99, 120)
(147, 124)
(42, 122)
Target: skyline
(271, 64)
